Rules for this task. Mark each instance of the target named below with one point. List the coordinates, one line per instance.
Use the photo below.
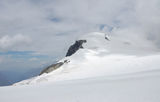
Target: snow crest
(103, 57)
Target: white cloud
(33, 59)
(76, 17)
(8, 43)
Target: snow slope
(101, 57)
(139, 87)
(119, 70)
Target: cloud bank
(54, 21)
(9, 43)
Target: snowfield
(118, 70)
(140, 87)
(94, 66)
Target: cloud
(54, 21)
(33, 59)
(8, 43)
(53, 25)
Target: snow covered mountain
(105, 68)
(102, 57)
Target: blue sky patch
(109, 28)
(55, 19)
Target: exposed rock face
(72, 49)
(106, 37)
(75, 47)
(53, 67)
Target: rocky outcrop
(53, 67)
(106, 37)
(75, 47)
(72, 49)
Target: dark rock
(75, 47)
(53, 67)
(107, 38)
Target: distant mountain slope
(102, 57)
(3, 80)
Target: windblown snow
(114, 70)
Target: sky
(34, 33)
